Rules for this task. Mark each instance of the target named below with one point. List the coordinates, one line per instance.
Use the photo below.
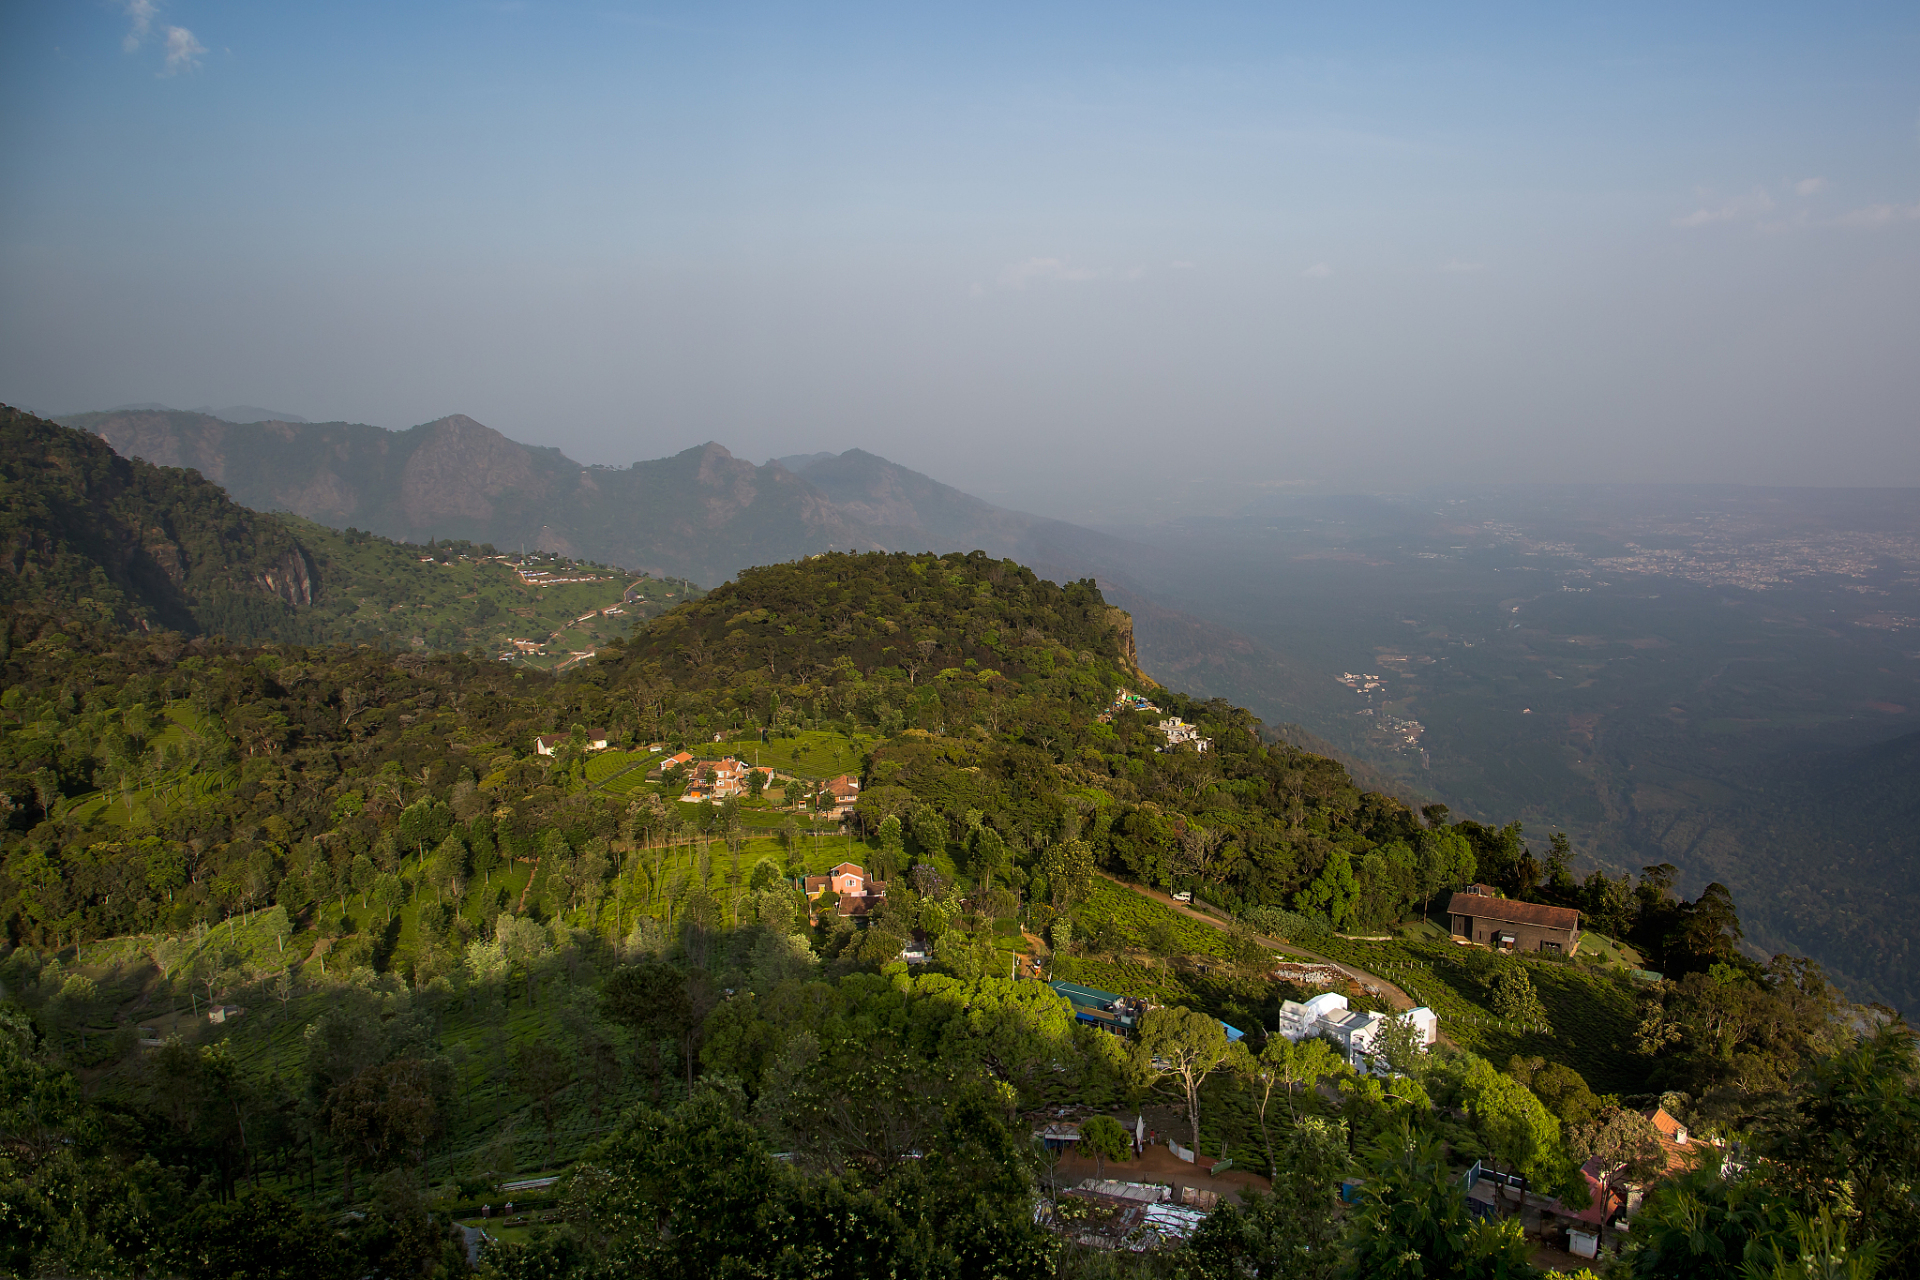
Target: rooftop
(1512, 911)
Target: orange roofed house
(1678, 1145)
(1479, 915)
(845, 791)
(729, 778)
(858, 895)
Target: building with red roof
(856, 894)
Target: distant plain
(1725, 679)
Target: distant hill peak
(459, 422)
(244, 414)
(799, 462)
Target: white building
(1353, 1030)
(1178, 731)
(548, 743)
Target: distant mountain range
(701, 514)
(232, 413)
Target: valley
(1651, 672)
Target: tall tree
(1291, 1232)
(1287, 1064)
(651, 1001)
(1857, 1125)
(385, 1114)
(1442, 860)
(1703, 1225)
(1518, 1131)
(1191, 1045)
(1102, 1138)
(1412, 1223)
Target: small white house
(1179, 732)
(548, 743)
(1353, 1030)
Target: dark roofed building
(1503, 924)
(548, 743)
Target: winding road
(1387, 990)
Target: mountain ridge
(701, 514)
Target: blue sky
(1356, 245)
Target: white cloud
(1318, 271)
(1880, 215)
(140, 15)
(1808, 186)
(1747, 206)
(183, 51)
(1460, 267)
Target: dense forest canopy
(462, 950)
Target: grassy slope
(173, 790)
(808, 753)
(1591, 1013)
(478, 1038)
(376, 590)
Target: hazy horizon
(1048, 257)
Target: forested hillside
(1846, 826)
(97, 538)
(93, 534)
(458, 960)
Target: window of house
(1549, 946)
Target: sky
(1059, 255)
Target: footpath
(1387, 991)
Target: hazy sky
(1034, 250)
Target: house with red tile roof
(845, 791)
(1606, 1200)
(729, 778)
(856, 894)
(1681, 1149)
